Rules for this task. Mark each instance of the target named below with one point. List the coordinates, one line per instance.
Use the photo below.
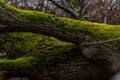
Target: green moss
(100, 31)
(20, 63)
(22, 43)
(29, 43)
(33, 49)
(32, 16)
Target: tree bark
(87, 64)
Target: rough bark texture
(46, 58)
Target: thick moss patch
(30, 49)
(96, 30)
(34, 43)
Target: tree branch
(68, 10)
(101, 42)
(45, 29)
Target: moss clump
(22, 43)
(20, 63)
(30, 49)
(96, 30)
(34, 43)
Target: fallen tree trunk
(49, 59)
(70, 30)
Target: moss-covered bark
(55, 26)
(46, 58)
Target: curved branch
(45, 29)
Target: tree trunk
(51, 59)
